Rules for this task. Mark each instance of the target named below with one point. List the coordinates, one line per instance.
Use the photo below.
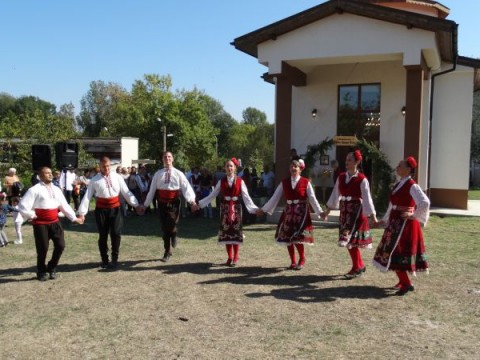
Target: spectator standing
(10, 179)
(267, 181)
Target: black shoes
(166, 257)
(354, 273)
(404, 289)
(53, 274)
(42, 276)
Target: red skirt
(402, 246)
(354, 229)
(295, 225)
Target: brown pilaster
(413, 114)
(289, 77)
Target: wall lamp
(404, 110)
(314, 114)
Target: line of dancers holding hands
(401, 248)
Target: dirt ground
(193, 307)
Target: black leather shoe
(166, 257)
(53, 275)
(404, 290)
(42, 276)
(104, 265)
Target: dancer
(402, 248)
(107, 187)
(295, 226)
(231, 189)
(41, 204)
(167, 184)
(351, 193)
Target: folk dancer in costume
(295, 226)
(402, 248)
(168, 184)
(41, 204)
(351, 193)
(107, 187)
(232, 190)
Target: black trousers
(169, 216)
(109, 221)
(42, 234)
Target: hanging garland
(382, 173)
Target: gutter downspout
(430, 120)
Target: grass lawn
(474, 194)
(194, 308)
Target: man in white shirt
(168, 184)
(67, 178)
(107, 187)
(41, 204)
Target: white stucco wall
(346, 36)
(322, 92)
(129, 150)
(451, 129)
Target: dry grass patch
(193, 307)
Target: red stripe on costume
(167, 195)
(108, 203)
(45, 216)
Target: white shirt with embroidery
(367, 202)
(43, 196)
(270, 206)
(170, 179)
(422, 202)
(106, 187)
(247, 200)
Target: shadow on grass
(12, 275)
(311, 294)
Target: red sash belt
(108, 203)
(45, 216)
(167, 195)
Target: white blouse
(270, 206)
(367, 203)
(247, 200)
(422, 202)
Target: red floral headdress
(235, 161)
(357, 155)
(412, 163)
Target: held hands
(259, 212)
(407, 215)
(194, 207)
(324, 215)
(80, 220)
(140, 210)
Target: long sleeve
(422, 202)
(187, 190)
(313, 200)
(334, 200)
(152, 191)
(367, 202)
(127, 194)
(64, 206)
(26, 205)
(247, 200)
(85, 203)
(207, 200)
(273, 202)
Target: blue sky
(53, 49)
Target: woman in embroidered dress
(402, 248)
(295, 226)
(351, 194)
(231, 189)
